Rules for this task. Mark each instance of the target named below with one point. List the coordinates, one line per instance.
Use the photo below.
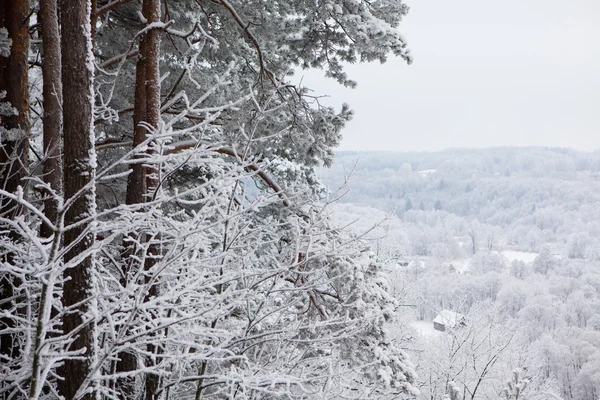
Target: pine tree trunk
(13, 80)
(79, 173)
(52, 93)
(52, 126)
(143, 179)
(151, 11)
(14, 139)
(136, 191)
(136, 184)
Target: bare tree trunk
(136, 185)
(136, 193)
(147, 101)
(79, 174)
(52, 126)
(151, 11)
(143, 179)
(52, 93)
(14, 137)
(13, 80)
(136, 190)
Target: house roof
(448, 318)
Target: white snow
(525, 256)
(460, 266)
(425, 329)
(5, 43)
(426, 172)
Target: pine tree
(79, 191)
(52, 118)
(14, 140)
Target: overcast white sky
(486, 73)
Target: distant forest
(504, 240)
(536, 195)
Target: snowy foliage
(6, 110)
(254, 303)
(516, 386)
(229, 279)
(5, 43)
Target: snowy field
(425, 329)
(426, 172)
(524, 256)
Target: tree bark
(13, 80)
(79, 160)
(136, 194)
(52, 173)
(52, 118)
(14, 137)
(151, 11)
(143, 178)
(136, 184)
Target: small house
(447, 319)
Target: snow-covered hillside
(515, 247)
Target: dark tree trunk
(79, 173)
(136, 194)
(52, 166)
(146, 103)
(13, 141)
(136, 185)
(52, 93)
(13, 80)
(143, 179)
(151, 10)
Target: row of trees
(162, 232)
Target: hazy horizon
(460, 148)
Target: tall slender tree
(79, 175)
(52, 175)
(13, 80)
(14, 137)
(52, 118)
(143, 177)
(151, 55)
